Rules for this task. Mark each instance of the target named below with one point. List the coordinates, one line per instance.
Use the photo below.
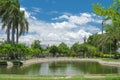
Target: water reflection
(61, 68)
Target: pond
(61, 68)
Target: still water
(61, 68)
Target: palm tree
(22, 25)
(112, 30)
(15, 10)
(9, 10)
(4, 11)
(13, 18)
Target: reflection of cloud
(71, 30)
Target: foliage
(13, 19)
(75, 48)
(112, 30)
(34, 52)
(53, 49)
(63, 48)
(36, 45)
(87, 50)
(18, 50)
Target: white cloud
(63, 25)
(61, 17)
(37, 10)
(78, 35)
(80, 19)
(71, 30)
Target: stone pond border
(60, 59)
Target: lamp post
(102, 26)
(102, 33)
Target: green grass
(110, 59)
(3, 60)
(77, 77)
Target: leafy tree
(75, 48)
(63, 48)
(54, 50)
(36, 45)
(13, 51)
(34, 52)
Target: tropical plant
(13, 18)
(21, 26)
(111, 13)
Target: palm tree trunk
(8, 33)
(17, 36)
(13, 35)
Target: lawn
(77, 77)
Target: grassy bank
(110, 59)
(78, 77)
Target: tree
(12, 17)
(88, 50)
(5, 7)
(75, 48)
(54, 50)
(22, 24)
(36, 45)
(13, 51)
(63, 48)
(111, 13)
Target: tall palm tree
(4, 11)
(9, 10)
(15, 10)
(22, 25)
(13, 18)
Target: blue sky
(56, 21)
(47, 9)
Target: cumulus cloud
(81, 19)
(72, 28)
